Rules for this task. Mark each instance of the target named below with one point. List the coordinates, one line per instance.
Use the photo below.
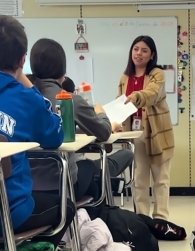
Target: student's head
(68, 85)
(48, 59)
(13, 44)
(142, 54)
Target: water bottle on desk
(64, 107)
(85, 90)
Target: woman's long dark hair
(130, 69)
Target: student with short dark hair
(26, 116)
(49, 83)
(68, 85)
(92, 120)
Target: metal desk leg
(74, 224)
(128, 145)
(109, 195)
(8, 234)
(103, 157)
(132, 148)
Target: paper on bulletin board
(11, 7)
(169, 80)
(117, 111)
(192, 108)
(81, 70)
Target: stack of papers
(117, 111)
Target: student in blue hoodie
(26, 116)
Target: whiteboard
(109, 40)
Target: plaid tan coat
(156, 121)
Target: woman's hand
(128, 99)
(132, 98)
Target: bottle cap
(85, 87)
(64, 95)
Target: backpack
(192, 241)
(126, 226)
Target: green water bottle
(64, 107)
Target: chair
(55, 155)
(10, 240)
(88, 201)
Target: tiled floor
(182, 210)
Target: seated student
(86, 119)
(47, 57)
(26, 116)
(68, 85)
(48, 74)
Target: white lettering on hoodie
(7, 123)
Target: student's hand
(99, 109)
(116, 127)
(24, 80)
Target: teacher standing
(143, 82)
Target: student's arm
(116, 127)
(98, 109)
(24, 80)
(89, 121)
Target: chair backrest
(63, 171)
(5, 162)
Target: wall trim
(174, 191)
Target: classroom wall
(183, 165)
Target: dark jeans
(47, 212)
(88, 170)
(118, 161)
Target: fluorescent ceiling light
(166, 6)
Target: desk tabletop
(113, 137)
(10, 148)
(130, 134)
(80, 141)
(123, 135)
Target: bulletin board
(109, 41)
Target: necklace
(135, 80)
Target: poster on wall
(80, 69)
(11, 7)
(192, 110)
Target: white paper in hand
(117, 111)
